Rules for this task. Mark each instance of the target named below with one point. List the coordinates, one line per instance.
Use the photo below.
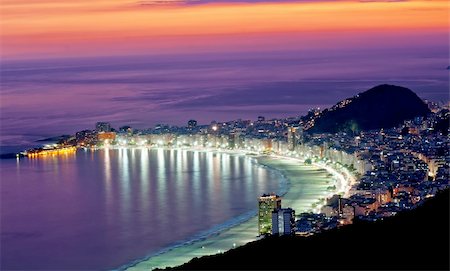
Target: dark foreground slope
(413, 240)
(383, 106)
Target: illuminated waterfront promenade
(51, 152)
(307, 185)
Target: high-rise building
(267, 204)
(102, 127)
(294, 137)
(232, 140)
(283, 221)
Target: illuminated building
(383, 196)
(102, 127)
(329, 211)
(283, 221)
(52, 152)
(214, 127)
(85, 137)
(267, 204)
(103, 136)
(348, 213)
(365, 206)
(267, 144)
(292, 137)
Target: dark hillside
(412, 240)
(383, 106)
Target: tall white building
(283, 221)
(267, 205)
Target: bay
(103, 209)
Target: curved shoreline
(216, 230)
(243, 229)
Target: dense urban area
(389, 170)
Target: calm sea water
(105, 208)
(142, 91)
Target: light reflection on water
(102, 209)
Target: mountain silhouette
(384, 106)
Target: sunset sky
(50, 28)
(67, 64)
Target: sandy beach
(306, 185)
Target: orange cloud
(85, 26)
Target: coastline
(304, 186)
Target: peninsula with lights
(385, 149)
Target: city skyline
(81, 62)
(367, 175)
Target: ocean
(47, 98)
(107, 208)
